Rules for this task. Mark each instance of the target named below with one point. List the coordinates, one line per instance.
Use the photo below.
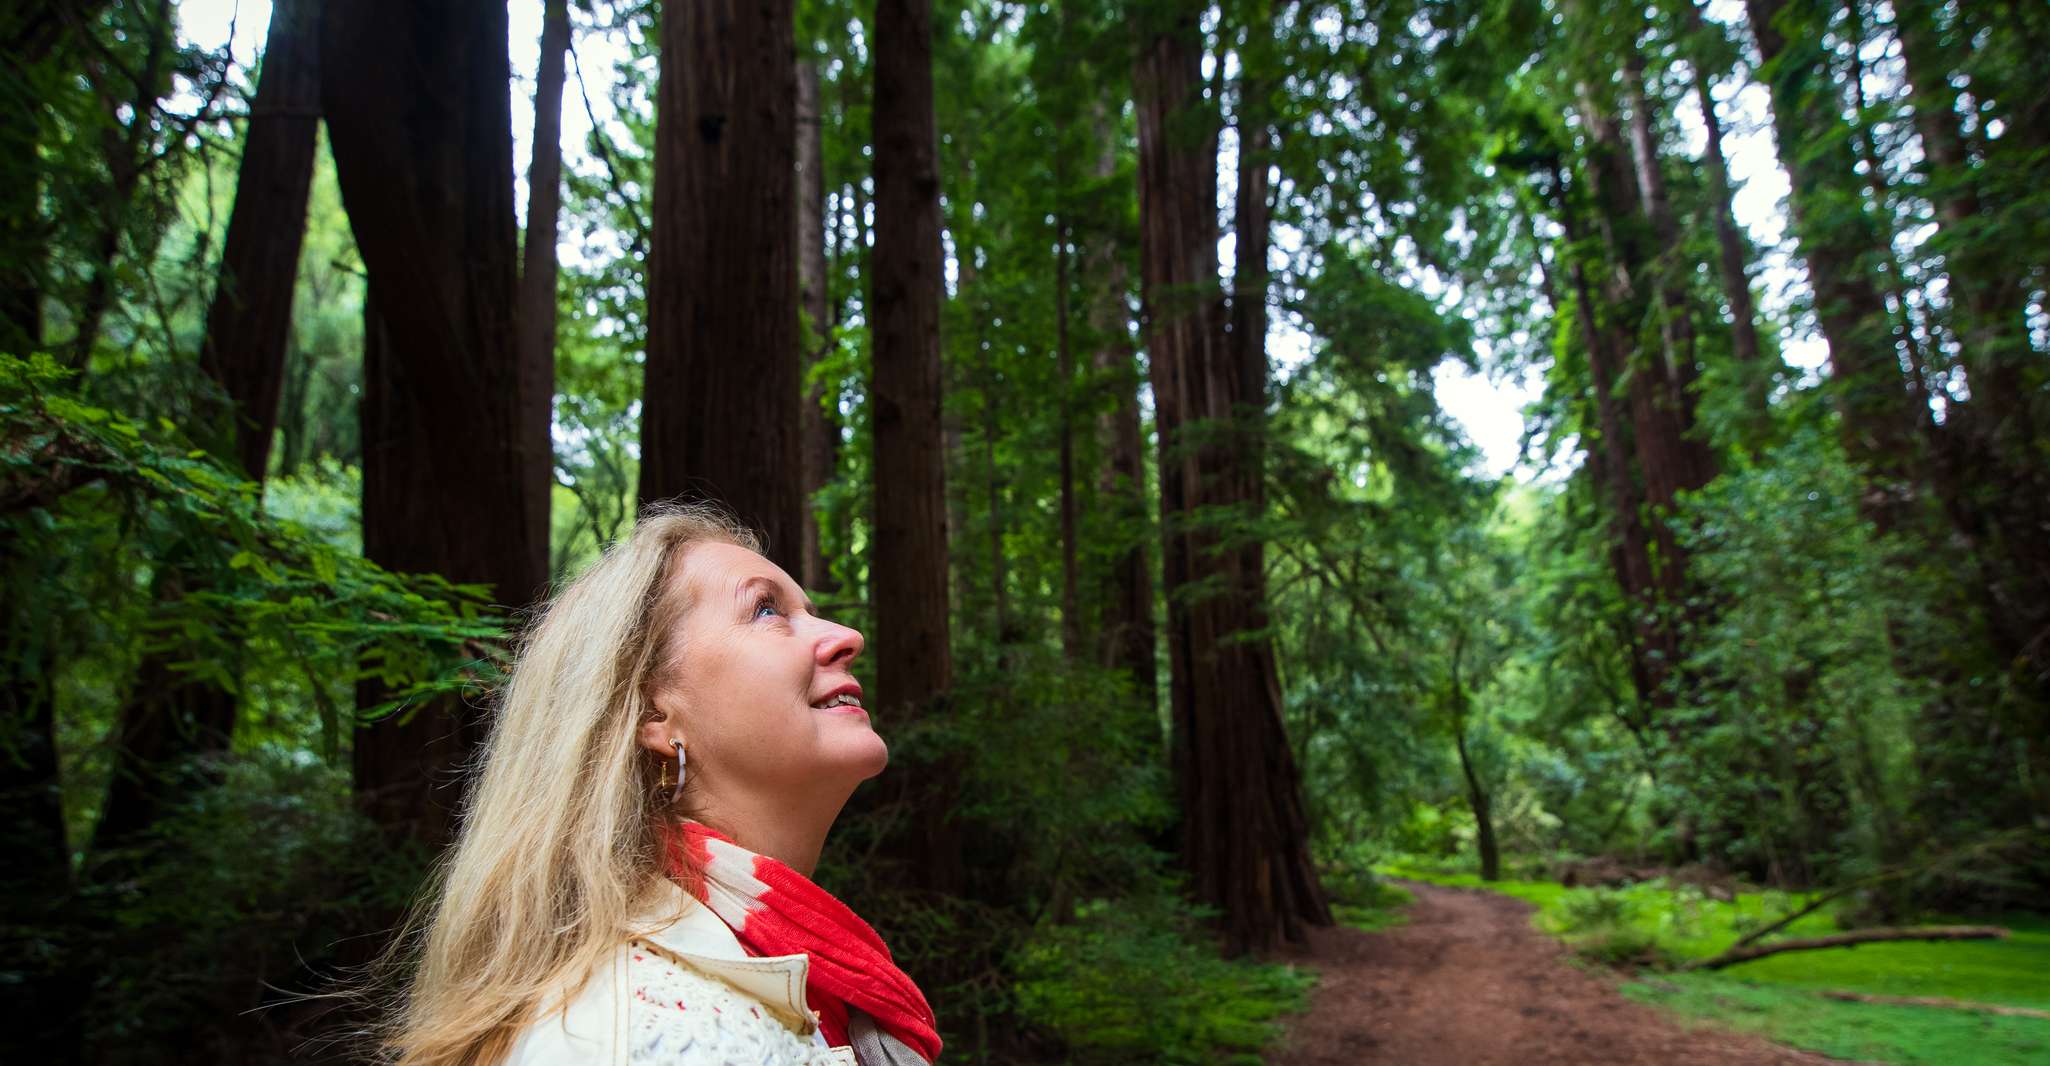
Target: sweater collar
(687, 929)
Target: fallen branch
(1953, 858)
(1939, 1001)
(1850, 939)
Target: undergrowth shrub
(1139, 980)
(1360, 898)
(1607, 926)
(233, 906)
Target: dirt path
(1468, 981)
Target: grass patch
(1866, 1032)
(1142, 982)
(1779, 996)
(2014, 972)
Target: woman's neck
(791, 833)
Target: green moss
(2015, 971)
(1866, 1032)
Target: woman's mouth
(844, 701)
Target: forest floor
(1467, 980)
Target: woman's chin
(850, 744)
(868, 757)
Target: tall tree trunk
(1733, 259)
(40, 1016)
(538, 266)
(445, 480)
(1996, 483)
(1668, 270)
(1733, 256)
(818, 429)
(1880, 423)
(1476, 794)
(1064, 355)
(908, 570)
(1665, 457)
(1248, 338)
(1244, 834)
(249, 323)
(721, 408)
(1126, 627)
(169, 720)
(1651, 650)
(990, 395)
(171, 717)
(1887, 426)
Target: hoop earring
(677, 796)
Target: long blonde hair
(559, 837)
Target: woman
(631, 880)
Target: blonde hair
(560, 831)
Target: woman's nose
(839, 645)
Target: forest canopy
(1144, 377)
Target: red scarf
(775, 910)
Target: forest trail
(1468, 981)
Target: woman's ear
(658, 732)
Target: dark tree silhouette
(1243, 837)
(446, 475)
(720, 411)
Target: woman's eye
(766, 606)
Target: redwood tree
(418, 101)
(1881, 425)
(1732, 253)
(908, 568)
(719, 414)
(173, 716)
(818, 430)
(908, 562)
(1125, 625)
(1244, 837)
(538, 263)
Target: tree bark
(1654, 645)
(914, 663)
(538, 267)
(428, 191)
(909, 565)
(1126, 630)
(1248, 338)
(1668, 270)
(1483, 813)
(721, 407)
(249, 323)
(1854, 937)
(1244, 834)
(818, 428)
(1064, 356)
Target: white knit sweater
(684, 994)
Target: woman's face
(762, 693)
